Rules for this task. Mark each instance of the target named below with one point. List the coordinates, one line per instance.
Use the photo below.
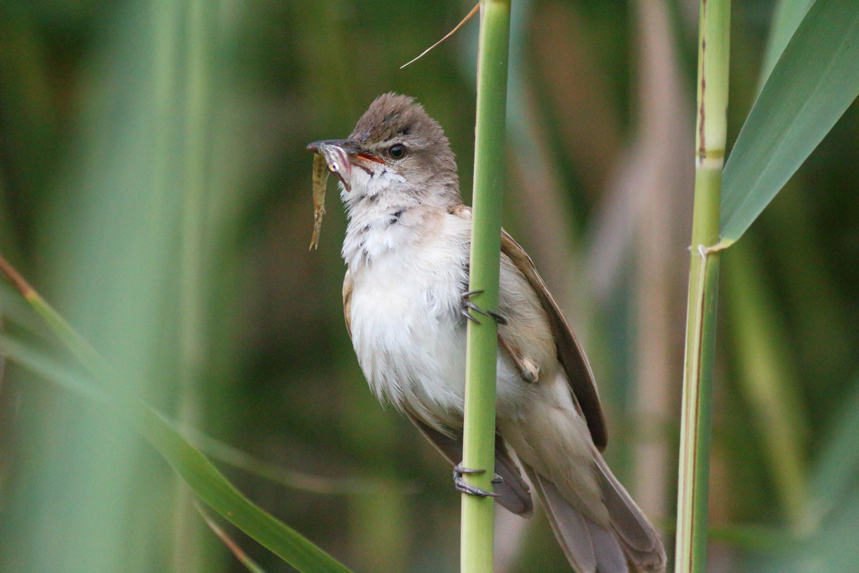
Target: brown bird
(406, 304)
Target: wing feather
(570, 353)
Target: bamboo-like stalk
(693, 480)
(478, 513)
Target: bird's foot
(468, 304)
(460, 485)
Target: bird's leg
(467, 304)
(460, 485)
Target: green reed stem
(478, 514)
(693, 480)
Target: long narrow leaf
(203, 478)
(813, 83)
(191, 465)
(231, 544)
(213, 488)
(786, 19)
(42, 364)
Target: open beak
(342, 155)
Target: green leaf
(195, 469)
(213, 488)
(231, 544)
(189, 462)
(65, 376)
(786, 19)
(813, 83)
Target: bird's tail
(630, 545)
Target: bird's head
(395, 149)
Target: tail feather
(589, 548)
(641, 543)
(610, 555)
(630, 546)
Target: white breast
(407, 329)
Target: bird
(406, 303)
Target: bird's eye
(397, 151)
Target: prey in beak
(342, 155)
(337, 156)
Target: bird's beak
(341, 155)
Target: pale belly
(410, 339)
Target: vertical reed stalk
(188, 553)
(479, 449)
(693, 481)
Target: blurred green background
(154, 186)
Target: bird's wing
(515, 495)
(570, 353)
(638, 538)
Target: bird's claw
(499, 318)
(460, 485)
(467, 304)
